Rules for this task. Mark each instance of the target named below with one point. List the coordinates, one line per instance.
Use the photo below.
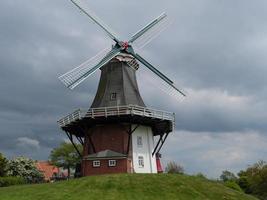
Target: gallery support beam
(160, 143)
(72, 142)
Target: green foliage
(228, 176)
(8, 181)
(200, 175)
(233, 185)
(66, 156)
(254, 180)
(243, 182)
(3, 165)
(126, 186)
(173, 168)
(25, 168)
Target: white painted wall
(145, 150)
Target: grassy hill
(126, 186)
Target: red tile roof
(47, 169)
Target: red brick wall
(121, 167)
(110, 136)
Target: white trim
(96, 163)
(112, 163)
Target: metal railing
(116, 111)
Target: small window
(113, 96)
(96, 163)
(112, 163)
(139, 141)
(141, 161)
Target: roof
(47, 169)
(104, 155)
(119, 78)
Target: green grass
(126, 186)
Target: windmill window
(112, 163)
(96, 163)
(141, 161)
(113, 96)
(139, 141)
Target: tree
(25, 168)
(3, 165)
(254, 180)
(66, 156)
(228, 176)
(174, 168)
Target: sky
(214, 50)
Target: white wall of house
(142, 146)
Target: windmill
(118, 131)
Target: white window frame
(139, 141)
(112, 163)
(96, 163)
(141, 162)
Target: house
(49, 171)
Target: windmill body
(118, 132)
(118, 85)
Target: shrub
(174, 168)
(228, 176)
(3, 165)
(26, 168)
(200, 175)
(233, 185)
(8, 181)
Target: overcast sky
(214, 50)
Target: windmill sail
(158, 73)
(81, 5)
(74, 77)
(150, 31)
(157, 82)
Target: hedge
(8, 181)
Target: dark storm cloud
(215, 50)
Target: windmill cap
(129, 59)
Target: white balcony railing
(115, 111)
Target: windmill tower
(118, 131)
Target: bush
(233, 185)
(228, 176)
(3, 165)
(174, 168)
(8, 181)
(26, 168)
(200, 175)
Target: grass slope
(126, 186)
